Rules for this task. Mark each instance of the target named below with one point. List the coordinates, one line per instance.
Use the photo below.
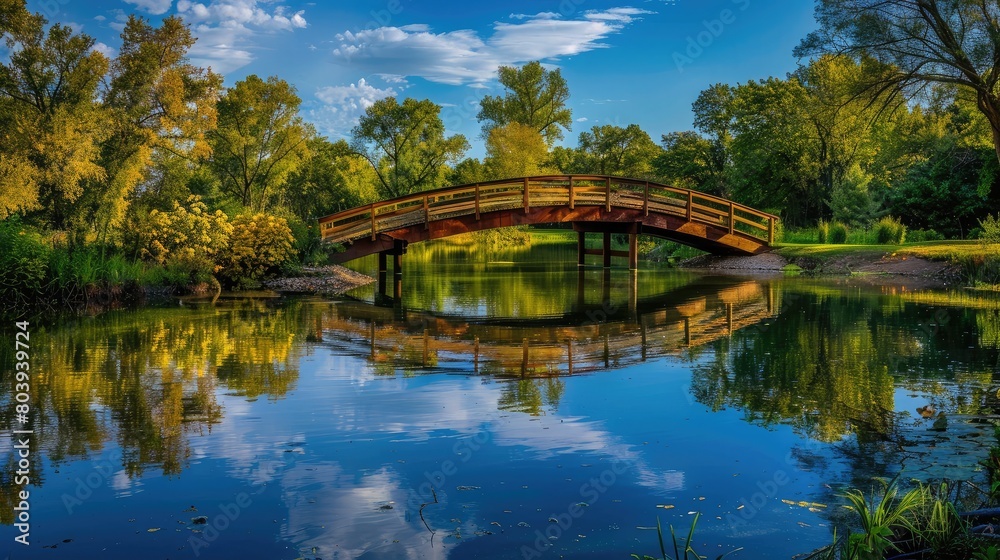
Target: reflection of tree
(826, 365)
(150, 377)
(531, 395)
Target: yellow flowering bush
(258, 244)
(189, 236)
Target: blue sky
(626, 61)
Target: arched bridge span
(592, 203)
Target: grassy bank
(974, 263)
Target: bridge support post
(633, 251)
(383, 266)
(607, 249)
(581, 248)
(397, 250)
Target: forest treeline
(145, 166)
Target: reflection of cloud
(463, 57)
(336, 511)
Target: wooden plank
(373, 222)
(690, 204)
(732, 223)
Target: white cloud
(581, 119)
(239, 12)
(104, 49)
(344, 105)
(152, 6)
(226, 29)
(463, 57)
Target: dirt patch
(886, 264)
(326, 280)
(763, 261)
(866, 264)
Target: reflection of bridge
(591, 203)
(591, 337)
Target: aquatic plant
(688, 551)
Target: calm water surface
(500, 410)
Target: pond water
(508, 407)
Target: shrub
(308, 243)
(823, 232)
(990, 229)
(23, 263)
(838, 232)
(920, 235)
(258, 244)
(188, 237)
(889, 231)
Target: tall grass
(688, 551)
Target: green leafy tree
(405, 145)
(515, 150)
(259, 142)
(613, 150)
(534, 96)
(687, 161)
(467, 171)
(919, 42)
(334, 178)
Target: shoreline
(328, 280)
(869, 265)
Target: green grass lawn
(934, 250)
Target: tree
(260, 140)
(686, 161)
(515, 150)
(160, 107)
(51, 125)
(405, 145)
(466, 172)
(613, 150)
(333, 179)
(920, 42)
(534, 96)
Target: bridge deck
(711, 223)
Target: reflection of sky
(367, 441)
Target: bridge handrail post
(770, 230)
(373, 221)
(477, 201)
(690, 204)
(527, 202)
(572, 194)
(732, 210)
(427, 213)
(645, 200)
(607, 194)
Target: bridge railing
(555, 190)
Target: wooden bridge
(592, 203)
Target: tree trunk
(989, 104)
